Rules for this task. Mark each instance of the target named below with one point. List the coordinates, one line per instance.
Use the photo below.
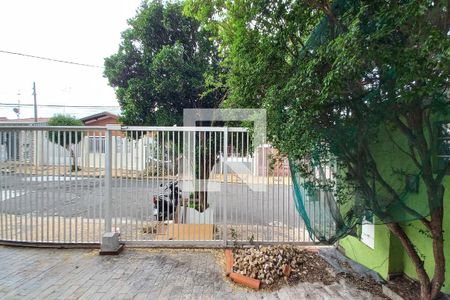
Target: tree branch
(411, 154)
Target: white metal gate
(75, 183)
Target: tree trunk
(437, 217)
(74, 160)
(429, 290)
(424, 279)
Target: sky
(83, 31)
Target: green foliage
(337, 78)
(333, 78)
(65, 137)
(234, 236)
(161, 66)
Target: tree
(64, 137)
(335, 77)
(162, 65)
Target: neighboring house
(377, 248)
(101, 119)
(18, 144)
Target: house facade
(376, 247)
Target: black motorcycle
(165, 203)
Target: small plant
(234, 236)
(251, 239)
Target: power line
(51, 59)
(58, 105)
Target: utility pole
(35, 104)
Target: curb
(390, 293)
(238, 278)
(246, 281)
(228, 261)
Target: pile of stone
(270, 264)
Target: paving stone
(136, 274)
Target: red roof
(99, 116)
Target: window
(443, 149)
(97, 144)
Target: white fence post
(225, 180)
(110, 240)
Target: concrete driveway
(28, 273)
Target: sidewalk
(28, 273)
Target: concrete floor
(27, 273)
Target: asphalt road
(72, 196)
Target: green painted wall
(376, 259)
(388, 255)
(424, 243)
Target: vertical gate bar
(204, 187)
(102, 161)
(127, 207)
(247, 159)
(214, 221)
(147, 202)
(179, 177)
(42, 182)
(173, 180)
(122, 150)
(12, 188)
(241, 159)
(21, 186)
(185, 177)
(83, 187)
(65, 183)
(219, 172)
(136, 206)
(11, 195)
(264, 163)
(114, 156)
(288, 202)
(232, 210)
(55, 187)
(4, 187)
(71, 162)
(194, 180)
(59, 183)
(77, 190)
(157, 189)
(86, 150)
(143, 201)
(211, 162)
(273, 205)
(285, 222)
(225, 180)
(278, 207)
(15, 190)
(108, 181)
(163, 178)
(47, 167)
(18, 214)
(7, 203)
(2, 190)
(132, 183)
(95, 184)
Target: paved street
(42, 207)
(137, 274)
(82, 197)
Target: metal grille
(76, 183)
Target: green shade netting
(329, 219)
